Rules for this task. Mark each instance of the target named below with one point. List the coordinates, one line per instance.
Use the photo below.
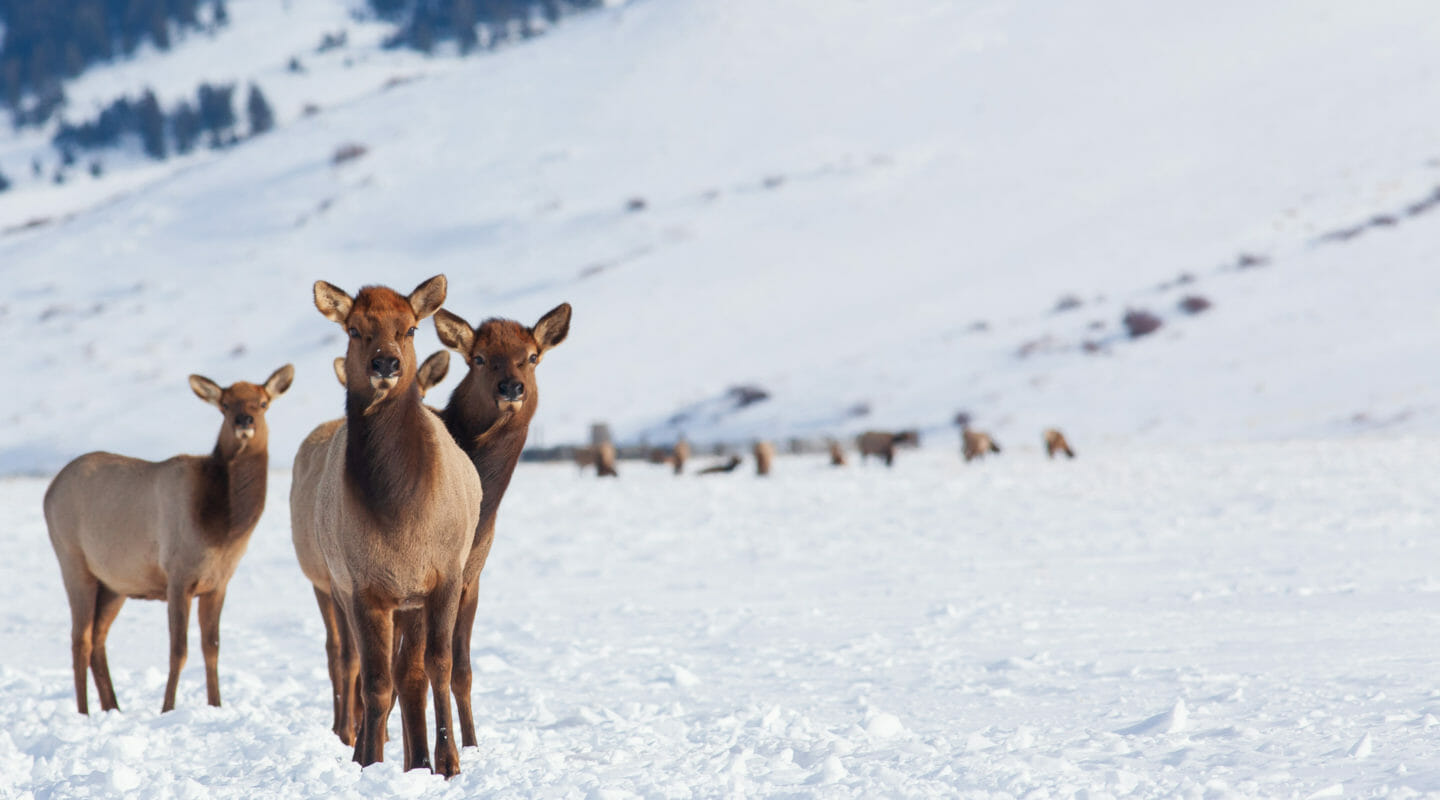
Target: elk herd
(392, 514)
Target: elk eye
(354, 334)
(410, 332)
(534, 358)
(479, 360)
(264, 405)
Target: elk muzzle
(244, 427)
(510, 392)
(384, 372)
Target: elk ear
(454, 333)
(332, 302)
(428, 297)
(340, 370)
(434, 370)
(206, 389)
(279, 381)
(553, 327)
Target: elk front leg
(107, 607)
(410, 675)
(441, 609)
(178, 599)
(372, 627)
(209, 607)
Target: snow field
(1248, 620)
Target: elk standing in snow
(883, 444)
(171, 530)
(489, 416)
(1055, 443)
(681, 454)
(605, 461)
(837, 454)
(383, 507)
(975, 444)
(764, 457)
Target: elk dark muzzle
(385, 366)
(511, 390)
(244, 420)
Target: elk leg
(81, 587)
(372, 628)
(441, 609)
(209, 610)
(460, 671)
(411, 681)
(178, 600)
(352, 702)
(333, 662)
(107, 607)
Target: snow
(1240, 620)
(850, 207)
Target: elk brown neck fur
(231, 494)
(387, 455)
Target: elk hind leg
(373, 628)
(82, 589)
(107, 607)
(178, 606)
(441, 609)
(461, 674)
(209, 611)
(411, 682)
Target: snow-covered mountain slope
(852, 206)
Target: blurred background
(774, 218)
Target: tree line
(211, 117)
(424, 23)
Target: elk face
(244, 405)
(502, 355)
(380, 359)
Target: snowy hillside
(868, 210)
(1230, 621)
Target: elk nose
(385, 366)
(244, 420)
(511, 390)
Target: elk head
(501, 355)
(380, 360)
(244, 405)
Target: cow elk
(605, 461)
(837, 454)
(764, 457)
(172, 530)
(489, 416)
(976, 444)
(1055, 443)
(383, 508)
(681, 454)
(883, 444)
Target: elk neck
(231, 494)
(389, 454)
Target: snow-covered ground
(1245, 620)
(853, 206)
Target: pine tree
(185, 127)
(4, 182)
(151, 121)
(262, 118)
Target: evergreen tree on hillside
(185, 127)
(217, 112)
(262, 118)
(151, 122)
(4, 182)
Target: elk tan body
(680, 455)
(1055, 443)
(764, 457)
(170, 530)
(976, 444)
(605, 461)
(883, 444)
(383, 507)
(488, 416)
(837, 454)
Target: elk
(605, 461)
(764, 456)
(383, 505)
(716, 469)
(837, 454)
(681, 454)
(1055, 443)
(171, 530)
(883, 444)
(584, 458)
(975, 444)
(489, 416)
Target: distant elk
(837, 454)
(976, 444)
(605, 461)
(883, 444)
(383, 508)
(681, 454)
(584, 457)
(716, 469)
(489, 416)
(764, 457)
(1055, 443)
(171, 530)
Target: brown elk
(171, 530)
(681, 454)
(1055, 443)
(764, 457)
(837, 454)
(883, 444)
(584, 458)
(489, 416)
(605, 461)
(383, 506)
(975, 444)
(717, 469)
